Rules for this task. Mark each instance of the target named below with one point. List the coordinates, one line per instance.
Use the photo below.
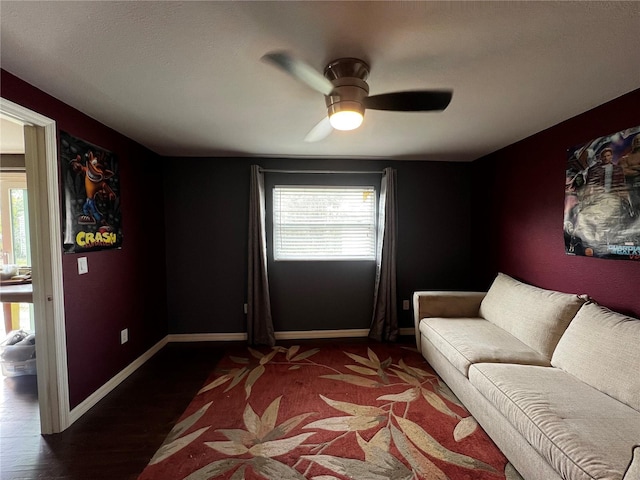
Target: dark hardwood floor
(118, 436)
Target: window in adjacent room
(14, 244)
(324, 222)
(14, 219)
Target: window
(14, 225)
(324, 223)
(14, 241)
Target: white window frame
(281, 253)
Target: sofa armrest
(444, 304)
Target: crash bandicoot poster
(91, 186)
(602, 197)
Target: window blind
(324, 223)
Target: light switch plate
(406, 305)
(83, 265)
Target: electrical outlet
(124, 336)
(83, 265)
(406, 305)
(246, 308)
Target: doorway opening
(17, 353)
(43, 226)
(18, 384)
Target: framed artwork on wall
(602, 197)
(91, 187)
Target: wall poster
(91, 187)
(602, 197)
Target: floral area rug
(347, 411)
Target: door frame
(41, 160)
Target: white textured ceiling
(185, 78)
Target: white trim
(105, 389)
(291, 335)
(46, 248)
(312, 334)
(206, 337)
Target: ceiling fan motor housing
(348, 76)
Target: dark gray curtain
(384, 324)
(259, 321)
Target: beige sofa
(553, 378)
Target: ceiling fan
(347, 93)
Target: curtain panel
(259, 321)
(384, 324)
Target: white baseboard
(103, 391)
(206, 337)
(291, 335)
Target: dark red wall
(518, 215)
(124, 288)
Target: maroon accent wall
(124, 288)
(518, 214)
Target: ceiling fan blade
(416, 101)
(321, 131)
(300, 70)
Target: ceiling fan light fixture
(346, 120)
(346, 115)
(346, 92)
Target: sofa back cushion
(535, 316)
(602, 348)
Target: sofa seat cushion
(602, 348)
(464, 341)
(535, 316)
(582, 433)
